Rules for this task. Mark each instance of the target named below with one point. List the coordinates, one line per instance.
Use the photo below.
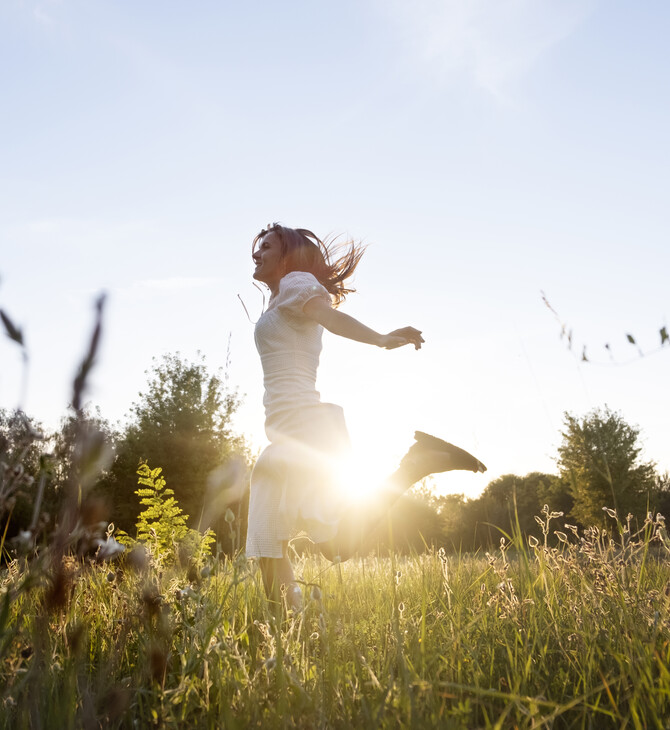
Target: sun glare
(360, 476)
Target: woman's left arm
(345, 326)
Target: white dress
(294, 484)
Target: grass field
(533, 636)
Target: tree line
(182, 422)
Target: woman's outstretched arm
(345, 326)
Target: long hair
(331, 262)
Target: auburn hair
(331, 262)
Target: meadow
(568, 630)
(574, 635)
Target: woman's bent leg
(428, 455)
(356, 527)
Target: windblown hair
(331, 262)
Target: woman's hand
(402, 336)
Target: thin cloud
(178, 283)
(170, 286)
(42, 12)
(494, 42)
(80, 232)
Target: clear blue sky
(486, 150)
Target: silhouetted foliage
(21, 448)
(411, 525)
(507, 506)
(599, 459)
(182, 421)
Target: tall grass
(531, 636)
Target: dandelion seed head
(108, 549)
(24, 540)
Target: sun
(360, 475)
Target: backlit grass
(532, 636)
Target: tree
(22, 444)
(599, 457)
(182, 421)
(79, 430)
(513, 500)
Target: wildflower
(398, 575)
(186, 592)
(533, 541)
(24, 540)
(230, 516)
(401, 607)
(561, 536)
(108, 549)
(610, 512)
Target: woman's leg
(355, 527)
(428, 455)
(278, 572)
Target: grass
(532, 636)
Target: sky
(488, 152)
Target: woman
(293, 486)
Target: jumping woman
(294, 485)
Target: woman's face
(269, 261)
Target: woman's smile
(269, 261)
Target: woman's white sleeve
(296, 289)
